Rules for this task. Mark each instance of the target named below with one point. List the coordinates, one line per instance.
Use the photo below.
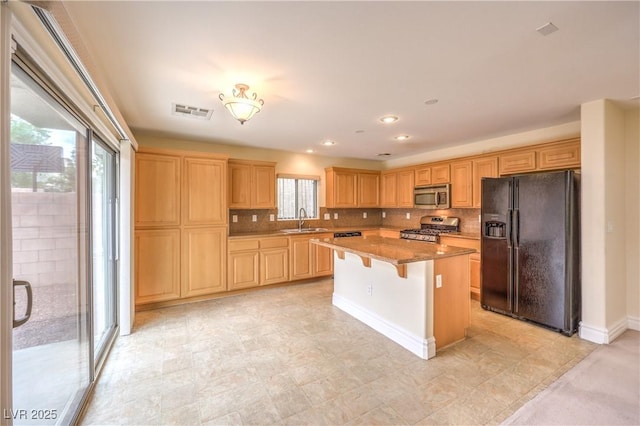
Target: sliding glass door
(64, 250)
(104, 245)
(51, 335)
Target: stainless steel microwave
(432, 197)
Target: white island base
(408, 310)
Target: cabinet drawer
(239, 245)
(461, 242)
(274, 243)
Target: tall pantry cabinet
(180, 225)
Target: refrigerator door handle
(514, 278)
(509, 225)
(516, 228)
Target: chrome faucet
(301, 218)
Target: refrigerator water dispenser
(495, 229)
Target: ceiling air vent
(189, 111)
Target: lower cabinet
(157, 265)
(474, 261)
(322, 258)
(172, 264)
(243, 264)
(254, 262)
(301, 257)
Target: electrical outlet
(408, 215)
(272, 217)
(364, 215)
(370, 290)
(384, 214)
(438, 281)
(234, 218)
(327, 216)
(254, 218)
(335, 215)
(479, 218)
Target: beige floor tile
(287, 356)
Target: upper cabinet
(482, 167)
(349, 188)
(203, 186)
(157, 187)
(431, 174)
(461, 184)
(559, 155)
(252, 184)
(369, 189)
(396, 189)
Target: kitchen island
(413, 292)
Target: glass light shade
(240, 106)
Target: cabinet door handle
(27, 315)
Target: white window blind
(295, 193)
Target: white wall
(606, 243)
(287, 162)
(632, 211)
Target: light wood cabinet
(274, 260)
(517, 162)
(388, 189)
(350, 188)
(422, 175)
(440, 174)
(252, 184)
(564, 155)
(461, 184)
(202, 271)
(157, 187)
(243, 266)
(322, 258)
(301, 265)
(369, 189)
(482, 167)
(203, 186)
(474, 260)
(181, 225)
(396, 189)
(157, 265)
(405, 188)
(451, 305)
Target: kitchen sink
(303, 230)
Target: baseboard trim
(425, 349)
(603, 335)
(633, 323)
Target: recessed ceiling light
(328, 142)
(431, 101)
(402, 137)
(547, 29)
(383, 154)
(309, 151)
(389, 119)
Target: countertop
(392, 250)
(280, 233)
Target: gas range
(431, 227)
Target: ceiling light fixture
(328, 143)
(402, 137)
(389, 119)
(309, 151)
(240, 106)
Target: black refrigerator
(530, 248)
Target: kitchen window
(296, 193)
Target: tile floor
(287, 356)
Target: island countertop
(392, 250)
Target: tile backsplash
(398, 218)
(349, 217)
(346, 217)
